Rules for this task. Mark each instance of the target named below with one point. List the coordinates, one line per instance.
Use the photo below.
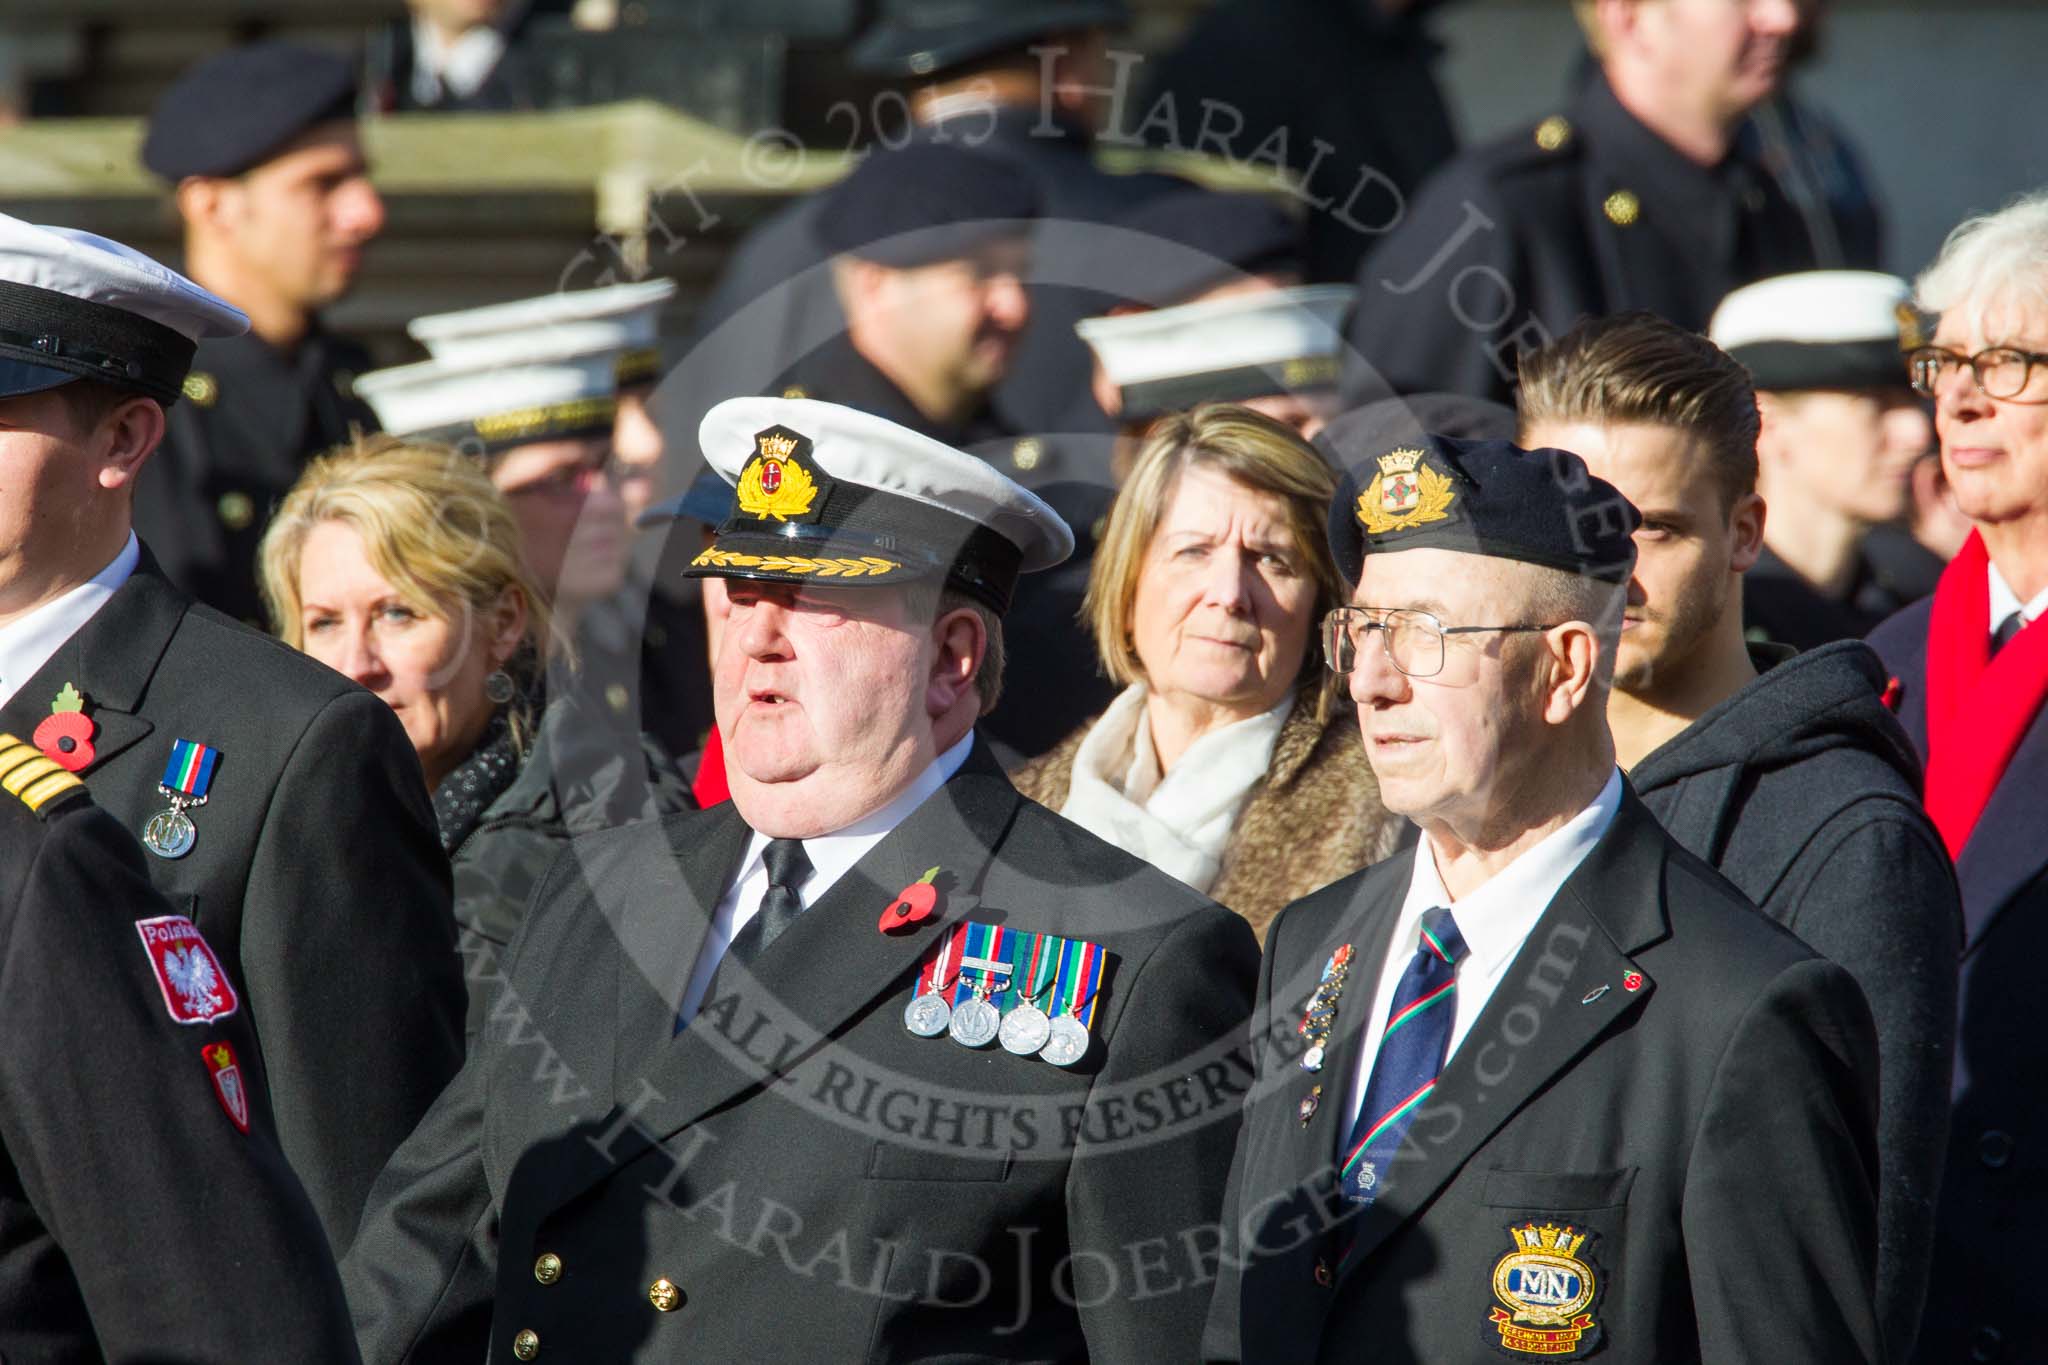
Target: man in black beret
(1548, 1085)
(260, 149)
(929, 248)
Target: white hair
(1992, 266)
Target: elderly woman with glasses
(1969, 672)
(401, 565)
(1228, 760)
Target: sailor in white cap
(1841, 433)
(624, 316)
(280, 804)
(854, 1001)
(1276, 350)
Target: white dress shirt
(1495, 920)
(2004, 601)
(832, 857)
(26, 644)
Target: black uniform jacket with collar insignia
(1660, 1069)
(1983, 1294)
(251, 417)
(1581, 215)
(138, 1222)
(316, 874)
(796, 1176)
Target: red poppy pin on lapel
(66, 734)
(912, 905)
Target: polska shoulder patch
(225, 1070)
(1545, 1291)
(195, 989)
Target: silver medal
(170, 834)
(1066, 1041)
(927, 1015)
(1025, 1030)
(975, 1023)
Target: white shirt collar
(1499, 914)
(2004, 601)
(833, 855)
(28, 642)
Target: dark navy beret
(925, 203)
(1481, 496)
(1201, 239)
(236, 110)
(920, 37)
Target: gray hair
(1997, 260)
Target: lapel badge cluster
(1035, 994)
(1406, 493)
(67, 733)
(1314, 1027)
(776, 485)
(1545, 1289)
(188, 774)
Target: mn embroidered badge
(1545, 1290)
(195, 989)
(226, 1072)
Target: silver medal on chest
(975, 1023)
(1066, 1041)
(1025, 1030)
(170, 834)
(927, 1015)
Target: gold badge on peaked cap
(1406, 493)
(776, 485)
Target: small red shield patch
(226, 1072)
(195, 989)
(771, 475)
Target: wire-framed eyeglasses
(1414, 640)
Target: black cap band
(1157, 397)
(1786, 365)
(93, 341)
(572, 420)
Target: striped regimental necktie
(1412, 1052)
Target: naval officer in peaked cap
(282, 807)
(877, 1060)
(1548, 1086)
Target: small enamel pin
(1309, 1103)
(1322, 1008)
(912, 905)
(226, 1072)
(66, 734)
(1633, 982)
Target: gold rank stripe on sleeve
(28, 774)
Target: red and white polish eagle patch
(195, 989)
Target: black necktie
(2007, 628)
(788, 870)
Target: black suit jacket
(316, 875)
(1586, 213)
(1660, 1069)
(1982, 1297)
(813, 1181)
(138, 1220)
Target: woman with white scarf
(1224, 761)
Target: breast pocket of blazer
(890, 1161)
(1558, 1191)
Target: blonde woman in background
(1226, 760)
(400, 565)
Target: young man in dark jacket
(1787, 773)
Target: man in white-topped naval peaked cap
(1841, 432)
(867, 568)
(108, 667)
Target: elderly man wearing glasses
(1549, 1085)
(1970, 671)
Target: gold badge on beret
(1406, 493)
(775, 486)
